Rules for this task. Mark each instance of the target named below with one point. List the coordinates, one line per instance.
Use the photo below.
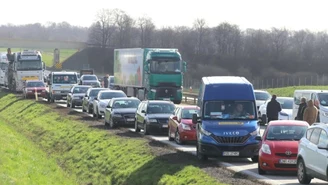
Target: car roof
(159, 101)
(320, 125)
(63, 73)
(189, 107)
(288, 122)
(109, 90)
(89, 75)
(82, 86)
(126, 98)
(286, 98)
(99, 88)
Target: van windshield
(241, 110)
(299, 95)
(323, 98)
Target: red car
(279, 145)
(181, 128)
(31, 86)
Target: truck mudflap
(244, 151)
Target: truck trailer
(149, 73)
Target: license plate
(230, 154)
(165, 126)
(130, 119)
(287, 161)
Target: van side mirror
(184, 66)
(195, 119)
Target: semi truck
(3, 68)
(149, 73)
(23, 66)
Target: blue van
(228, 124)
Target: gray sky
(292, 14)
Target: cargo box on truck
(149, 73)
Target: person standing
(273, 109)
(301, 109)
(106, 81)
(310, 113)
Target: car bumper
(124, 121)
(59, 96)
(158, 127)
(212, 150)
(272, 163)
(77, 102)
(187, 135)
(42, 94)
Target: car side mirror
(323, 147)
(195, 119)
(258, 138)
(143, 111)
(85, 95)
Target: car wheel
(255, 159)
(302, 177)
(136, 128)
(199, 155)
(145, 129)
(259, 169)
(177, 137)
(169, 135)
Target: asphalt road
(239, 165)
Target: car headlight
(185, 126)
(152, 120)
(266, 149)
(256, 132)
(205, 132)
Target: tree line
(221, 50)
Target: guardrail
(190, 96)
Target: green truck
(149, 73)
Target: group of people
(307, 111)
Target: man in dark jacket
(106, 81)
(273, 109)
(301, 109)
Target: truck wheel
(200, 156)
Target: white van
(318, 96)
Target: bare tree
(147, 28)
(124, 24)
(279, 41)
(201, 29)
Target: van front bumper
(245, 151)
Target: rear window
(110, 95)
(35, 84)
(89, 78)
(187, 113)
(80, 89)
(65, 79)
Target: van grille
(232, 140)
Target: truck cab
(3, 68)
(59, 84)
(228, 124)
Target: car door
(171, 120)
(108, 111)
(143, 114)
(322, 154)
(176, 122)
(69, 95)
(86, 99)
(312, 149)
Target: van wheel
(302, 177)
(200, 156)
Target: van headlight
(256, 132)
(205, 132)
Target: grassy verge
(289, 91)
(22, 162)
(48, 54)
(94, 156)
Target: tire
(200, 156)
(169, 135)
(255, 159)
(146, 132)
(177, 138)
(259, 169)
(136, 129)
(302, 177)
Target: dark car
(89, 80)
(76, 94)
(87, 102)
(34, 85)
(153, 115)
(121, 111)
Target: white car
(261, 97)
(312, 158)
(285, 114)
(101, 101)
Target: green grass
(289, 91)
(95, 156)
(48, 54)
(22, 162)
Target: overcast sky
(292, 14)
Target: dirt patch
(162, 151)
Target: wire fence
(266, 83)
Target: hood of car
(79, 94)
(125, 111)
(282, 146)
(289, 112)
(187, 121)
(163, 115)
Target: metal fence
(265, 83)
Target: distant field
(47, 54)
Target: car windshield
(29, 65)
(89, 77)
(262, 96)
(160, 108)
(227, 110)
(35, 84)
(80, 89)
(165, 66)
(65, 79)
(323, 98)
(94, 93)
(285, 132)
(187, 113)
(286, 103)
(110, 95)
(123, 104)
(111, 79)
